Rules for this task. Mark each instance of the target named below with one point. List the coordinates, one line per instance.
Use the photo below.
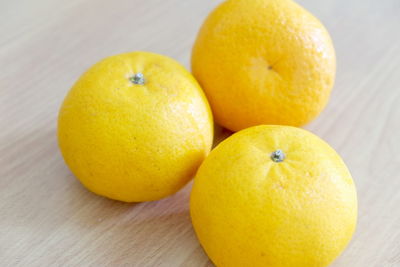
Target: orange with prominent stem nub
(135, 127)
(275, 196)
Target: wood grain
(48, 219)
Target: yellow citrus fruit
(135, 127)
(264, 62)
(274, 196)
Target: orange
(264, 62)
(275, 196)
(135, 127)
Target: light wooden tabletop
(48, 219)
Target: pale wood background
(48, 219)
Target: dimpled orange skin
(264, 62)
(248, 210)
(133, 142)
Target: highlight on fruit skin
(135, 127)
(252, 206)
(264, 62)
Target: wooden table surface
(48, 219)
